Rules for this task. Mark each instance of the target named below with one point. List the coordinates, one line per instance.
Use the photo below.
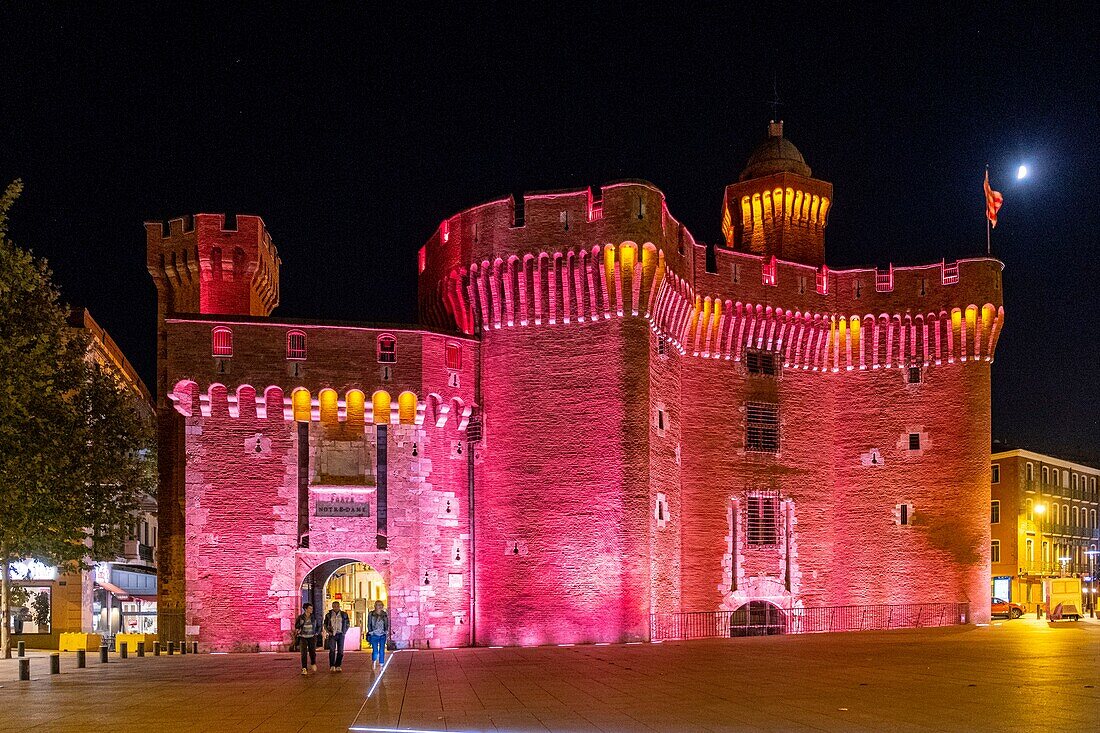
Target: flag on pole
(993, 201)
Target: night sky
(354, 133)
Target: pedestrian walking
(305, 629)
(378, 632)
(336, 625)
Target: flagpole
(989, 249)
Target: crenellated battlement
(745, 300)
(211, 263)
(298, 404)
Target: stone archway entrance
(758, 618)
(356, 585)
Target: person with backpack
(336, 625)
(378, 631)
(305, 629)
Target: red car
(1005, 608)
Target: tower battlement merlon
(548, 223)
(213, 263)
(758, 278)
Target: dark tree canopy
(74, 442)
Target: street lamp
(1091, 555)
(1040, 510)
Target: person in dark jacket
(336, 625)
(378, 630)
(305, 628)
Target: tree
(74, 445)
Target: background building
(601, 422)
(113, 595)
(1043, 519)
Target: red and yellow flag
(993, 201)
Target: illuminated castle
(600, 424)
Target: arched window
(1046, 475)
(1076, 517)
(296, 345)
(221, 342)
(1065, 514)
(1030, 508)
(387, 349)
(1029, 472)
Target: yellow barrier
(131, 642)
(72, 642)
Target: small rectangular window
(995, 551)
(762, 427)
(763, 518)
(221, 342)
(662, 347)
(914, 375)
(295, 345)
(764, 363)
(454, 357)
(914, 441)
(884, 280)
(770, 272)
(995, 512)
(903, 514)
(387, 350)
(996, 473)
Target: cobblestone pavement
(1023, 675)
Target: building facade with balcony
(1043, 523)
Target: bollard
(103, 654)
(55, 663)
(122, 650)
(171, 648)
(24, 669)
(156, 648)
(141, 648)
(194, 647)
(81, 659)
(183, 647)
(22, 646)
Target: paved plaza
(1021, 675)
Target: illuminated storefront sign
(32, 570)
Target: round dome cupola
(776, 154)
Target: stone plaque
(339, 508)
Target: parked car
(1007, 609)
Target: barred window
(221, 341)
(295, 345)
(387, 349)
(763, 518)
(762, 362)
(454, 357)
(762, 427)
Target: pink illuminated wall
(604, 360)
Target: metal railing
(767, 620)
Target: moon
(1021, 172)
